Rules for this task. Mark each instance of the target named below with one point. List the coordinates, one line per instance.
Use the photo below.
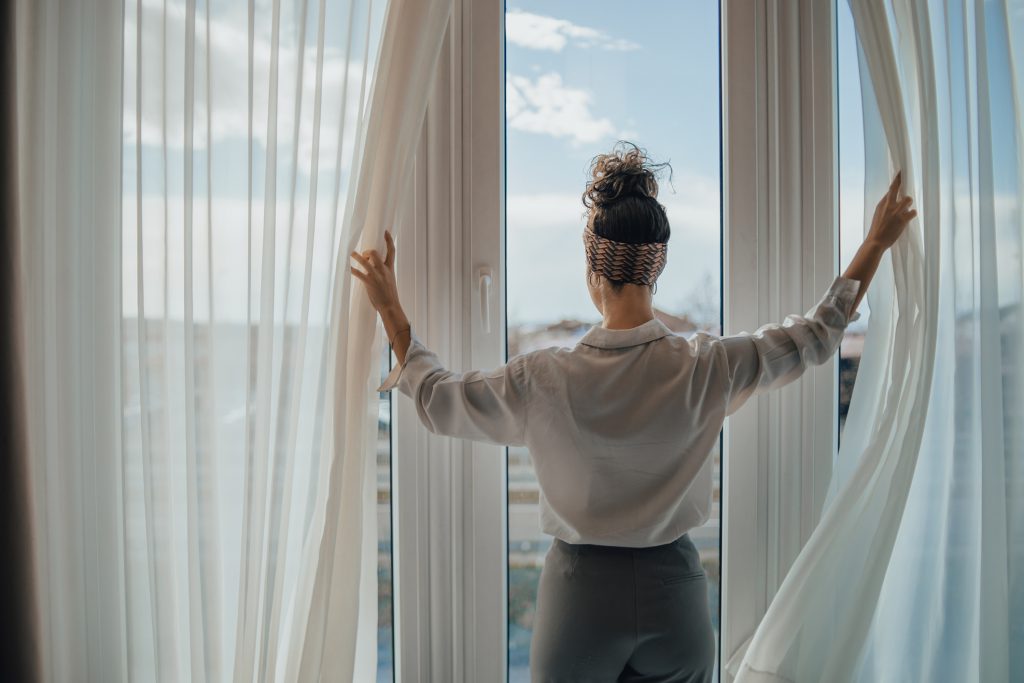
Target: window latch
(484, 287)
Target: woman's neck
(630, 308)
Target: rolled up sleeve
(777, 354)
(480, 405)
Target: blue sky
(579, 77)
(652, 76)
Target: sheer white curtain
(204, 419)
(914, 572)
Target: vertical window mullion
(779, 184)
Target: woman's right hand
(892, 215)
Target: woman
(620, 429)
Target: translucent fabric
(914, 571)
(204, 422)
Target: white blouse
(620, 427)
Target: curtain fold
(19, 633)
(339, 585)
(203, 418)
(69, 181)
(912, 573)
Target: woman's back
(620, 426)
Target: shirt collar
(603, 338)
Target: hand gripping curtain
(203, 421)
(914, 571)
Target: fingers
(368, 259)
(894, 203)
(900, 205)
(903, 213)
(897, 180)
(363, 261)
(886, 202)
(903, 206)
(389, 260)
(371, 259)
(894, 189)
(358, 273)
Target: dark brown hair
(622, 198)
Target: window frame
(450, 503)
(779, 186)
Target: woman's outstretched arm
(481, 405)
(892, 215)
(777, 354)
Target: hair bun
(625, 172)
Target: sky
(579, 76)
(582, 75)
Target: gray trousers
(606, 613)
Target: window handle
(484, 282)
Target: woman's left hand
(379, 278)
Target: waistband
(683, 540)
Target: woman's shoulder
(543, 362)
(541, 355)
(699, 343)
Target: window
(385, 554)
(567, 97)
(851, 191)
(579, 77)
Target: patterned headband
(640, 264)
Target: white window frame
(450, 496)
(779, 187)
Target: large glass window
(580, 76)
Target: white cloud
(539, 32)
(548, 106)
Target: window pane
(385, 556)
(851, 192)
(579, 77)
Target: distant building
(566, 332)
